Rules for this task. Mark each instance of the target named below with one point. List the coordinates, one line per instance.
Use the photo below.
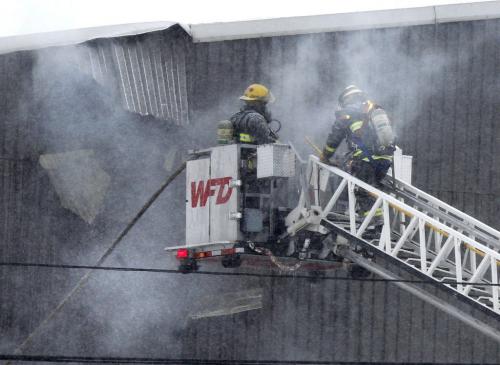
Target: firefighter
(367, 130)
(251, 124)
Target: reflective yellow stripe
(244, 137)
(225, 132)
(378, 158)
(370, 106)
(329, 149)
(383, 157)
(358, 153)
(356, 125)
(378, 212)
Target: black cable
(150, 360)
(228, 273)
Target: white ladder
(420, 231)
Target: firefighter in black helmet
(367, 130)
(251, 123)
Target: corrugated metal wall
(439, 84)
(148, 70)
(28, 204)
(47, 105)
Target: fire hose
(280, 265)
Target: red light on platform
(182, 253)
(228, 251)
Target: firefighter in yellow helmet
(367, 130)
(251, 123)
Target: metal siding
(448, 122)
(149, 70)
(34, 227)
(327, 320)
(409, 329)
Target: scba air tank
(382, 126)
(225, 132)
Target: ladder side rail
(457, 284)
(408, 209)
(448, 231)
(482, 237)
(488, 234)
(463, 280)
(479, 236)
(467, 218)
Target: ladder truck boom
(244, 201)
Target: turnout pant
(370, 173)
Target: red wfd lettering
(202, 191)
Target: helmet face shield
(353, 99)
(270, 99)
(351, 96)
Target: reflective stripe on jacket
(251, 127)
(355, 127)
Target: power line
(182, 361)
(242, 274)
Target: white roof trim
(267, 27)
(343, 22)
(74, 36)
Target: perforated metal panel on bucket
(275, 160)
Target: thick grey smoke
(127, 314)
(85, 133)
(396, 70)
(307, 78)
(316, 70)
(78, 120)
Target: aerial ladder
(417, 229)
(233, 208)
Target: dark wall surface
(341, 320)
(130, 101)
(51, 106)
(439, 83)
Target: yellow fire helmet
(257, 92)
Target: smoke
(313, 72)
(308, 74)
(398, 68)
(73, 119)
(132, 314)
(119, 314)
